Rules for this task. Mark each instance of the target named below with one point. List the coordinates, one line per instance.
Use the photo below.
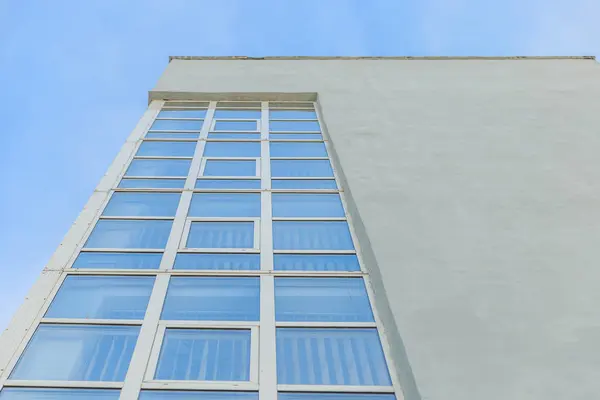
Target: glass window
(203, 395)
(197, 104)
(316, 262)
(228, 184)
(130, 234)
(294, 126)
(239, 113)
(233, 135)
(311, 235)
(212, 299)
(240, 262)
(307, 205)
(102, 297)
(165, 149)
(230, 168)
(322, 300)
(172, 135)
(11, 393)
(182, 114)
(221, 235)
(298, 149)
(335, 396)
(77, 353)
(298, 136)
(204, 355)
(303, 184)
(291, 104)
(232, 149)
(176, 125)
(118, 260)
(235, 125)
(292, 114)
(239, 104)
(152, 183)
(301, 168)
(225, 205)
(158, 168)
(133, 204)
(330, 357)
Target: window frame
(213, 125)
(257, 167)
(188, 225)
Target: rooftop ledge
(380, 58)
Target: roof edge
(268, 58)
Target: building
(333, 228)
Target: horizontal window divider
(314, 251)
(299, 140)
(232, 158)
(242, 119)
(154, 177)
(316, 324)
(162, 157)
(305, 191)
(218, 250)
(229, 178)
(83, 321)
(64, 384)
(335, 388)
(299, 158)
(309, 218)
(113, 271)
(119, 250)
(232, 140)
(177, 119)
(216, 272)
(317, 274)
(223, 219)
(293, 119)
(136, 217)
(289, 132)
(304, 178)
(228, 190)
(184, 324)
(153, 190)
(174, 132)
(200, 385)
(213, 272)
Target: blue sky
(75, 75)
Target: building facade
(357, 229)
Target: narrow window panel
(175, 125)
(294, 126)
(232, 149)
(77, 353)
(228, 184)
(212, 299)
(291, 104)
(307, 205)
(165, 149)
(118, 260)
(292, 114)
(230, 168)
(238, 104)
(298, 149)
(158, 168)
(221, 235)
(322, 300)
(203, 395)
(130, 234)
(303, 184)
(316, 262)
(152, 183)
(11, 393)
(225, 205)
(172, 135)
(102, 297)
(173, 103)
(311, 235)
(233, 135)
(299, 136)
(239, 113)
(301, 168)
(330, 357)
(182, 114)
(335, 396)
(134, 204)
(204, 355)
(235, 125)
(213, 261)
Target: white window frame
(188, 224)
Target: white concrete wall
(478, 184)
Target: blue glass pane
(158, 168)
(172, 135)
(175, 125)
(292, 114)
(235, 126)
(241, 262)
(300, 168)
(322, 300)
(311, 235)
(298, 149)
(230, 168)
(152, 183)
(307, 205)
(133, 204)
(118, 260)
(204, 395)
(248, 114)
(204, 355)
(102, 297)
(182, 114)
(303, 184)
(335, 396)
(237, 136)
(232, 149)
(330, 357)
(221, 235)
(225, 205)
(10, 393)
(316, 262)
(228, 184)
(165, 149)
(212, 299)
(299, 136)
(130, 234)
(77, 353)
(294, 126)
